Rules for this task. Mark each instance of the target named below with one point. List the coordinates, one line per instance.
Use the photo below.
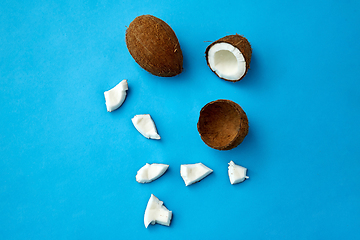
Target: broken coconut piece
(151, 172)
(237, 174)
(192, 173)
(115, 97)
(229, 57)
(222, 124)
(156, 212)
(145, 125)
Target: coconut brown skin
(239, 42)
(222, 124)
(154, 46)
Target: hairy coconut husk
(154, 46)
(240, 43)
(222, 124)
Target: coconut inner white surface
(192, 173)
(151, 172)
(115, 97)
(237, 174)
(226, 61)
(156, 212)
(145, 125)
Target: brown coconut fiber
(222, 124)
(240, 43)
(154, 46)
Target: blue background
(67, 166)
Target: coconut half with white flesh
(156, 212)
(151, 172)
(237, 174)
(115, 97)
(145, 125)
(229, 57)
(192, 173)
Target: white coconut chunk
(192, 173)
(145, 125)
(227, 61)
(156, 212)
(237, 174)
(151, 172)
(115, 97)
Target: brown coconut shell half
(154, 46)
(222, 124)
(240, 43)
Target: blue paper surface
(67, 166)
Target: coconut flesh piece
(156, 212)
(192, 173)
(150, 172)
(227, 61)
(237, 174)
(115, 97)
(145, 125)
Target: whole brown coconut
(154, 46)
(222, 124)
(229, 57)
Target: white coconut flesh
(151, 172)
(115, 97)
(145, 125)
(237, 174)
(192, 173)
(226, 61)
(156, 212)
